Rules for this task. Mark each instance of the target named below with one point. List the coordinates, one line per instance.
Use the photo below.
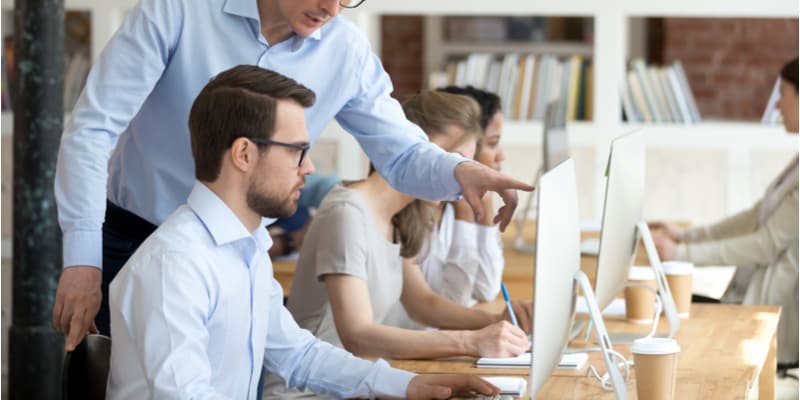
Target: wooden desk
(724, 350)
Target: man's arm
(120, 81)
(164, 304)
(303, 361)
(403, 155)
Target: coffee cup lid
(677, 267)
(655, 346)
(641, 274)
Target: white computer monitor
(555, 150)
(555, 141)
(623, 225)
(556, 262)
(557, 276)
(622, 210)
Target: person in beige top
(762, 241)
(357, 263)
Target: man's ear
(243, 154)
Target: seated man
(195, 312)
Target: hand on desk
(446, 386)
(665, 228)
(500, 339)
(665, 246)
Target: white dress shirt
(463, 261)
(196, 312)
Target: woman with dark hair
(463, 260)
(357, 263)
(762, 241)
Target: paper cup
(656, 363)
(640, 302)
(679, 276)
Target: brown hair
(789, 73)
(433, 112)
(239, 102)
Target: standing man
(125, 162)
(196, 311)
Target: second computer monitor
(555, 141)
(557, 261)
(622, 210)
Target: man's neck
(237, 202)
(274, 26)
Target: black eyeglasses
(303, 148)
(350, 3)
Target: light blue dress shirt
(127, 139)
(196, 310)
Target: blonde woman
(357, 262)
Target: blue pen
(508, 305)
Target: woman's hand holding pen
(523, 309)
(500, 339)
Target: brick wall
(731, 63)
(401, 52)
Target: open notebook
(568, 361)
(509, 386)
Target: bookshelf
(740, 146)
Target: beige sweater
(768, 247)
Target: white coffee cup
(679, 276)
(640, 301)
(656, 363)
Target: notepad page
(509, 386)
(568, 361)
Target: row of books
(525, 83)
(659, 94)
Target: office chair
(86, 369)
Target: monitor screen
(555, 143)
(557, 261)
(622, 210)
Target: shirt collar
(249, 9)
(220, 221)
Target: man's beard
(270, 206)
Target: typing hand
(476, 179)
(670, 230)
(665, 246)
(77, 302)
(500, 339)
(445, 386)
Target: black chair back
(86, 369)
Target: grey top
(342, 239)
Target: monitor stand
(663, 292)
(617, 383)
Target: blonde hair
(434, 112)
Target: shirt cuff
(447, 175)
(391, 382)
(83, 248)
